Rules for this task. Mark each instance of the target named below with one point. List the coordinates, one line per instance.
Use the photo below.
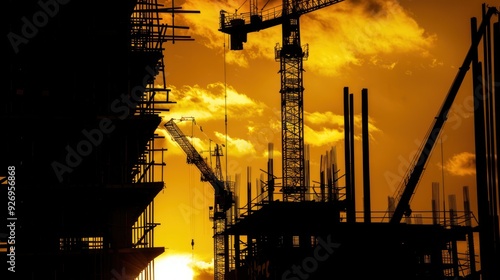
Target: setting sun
(177, 267)
(182, 267)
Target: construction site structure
(324, 237)
(222, 194)
(291, 55)
(82, 101)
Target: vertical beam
(352, 201)
(334, 190)
(322, 174)
(490, 135)
(366, 156)
(226, 249)
(481, 182)
(452, 202)
(390, 206)
(496, 67)
(270, 173)
(329, 177)
(347, 155)
(496, 131)
(467, 210)
(435, 203)
(249, 189)
(470, 233)
(307, 174)
(249, 209)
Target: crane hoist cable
(265, 5)
(241, 6)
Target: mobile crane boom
(223, 198)
(410, 182)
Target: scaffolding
(148, 34)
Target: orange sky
(405, 52)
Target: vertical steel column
(366, 156)
(249, 210)
(347, 154)
(270, 172)
(481, 176)
(496, 89)
(435, 204)
(470, 234)
(352, 201)
(490, 135)
(322, 181)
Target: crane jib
(239, 25)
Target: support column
(366, 156)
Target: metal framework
(291, 56)
(147, 35)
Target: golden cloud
(239, 147)
(331, 128)
(203, 270)
(210, 102)
(348, 33)
(325, 136)
(462, 164)
(362, 32)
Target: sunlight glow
(176, 267)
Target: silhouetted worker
(192, 244)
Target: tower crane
(290, 55)
(223, 195)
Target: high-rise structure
(77, 152)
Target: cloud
(461, 164)
(324, 118)
(350, 33)
(238, 147)
(325, 136)
(362, 32)
(209, 103)
(203, 270)
(327, 128)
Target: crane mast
(290, 55)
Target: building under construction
(79, 110)
(80, 169)
(290, 230)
